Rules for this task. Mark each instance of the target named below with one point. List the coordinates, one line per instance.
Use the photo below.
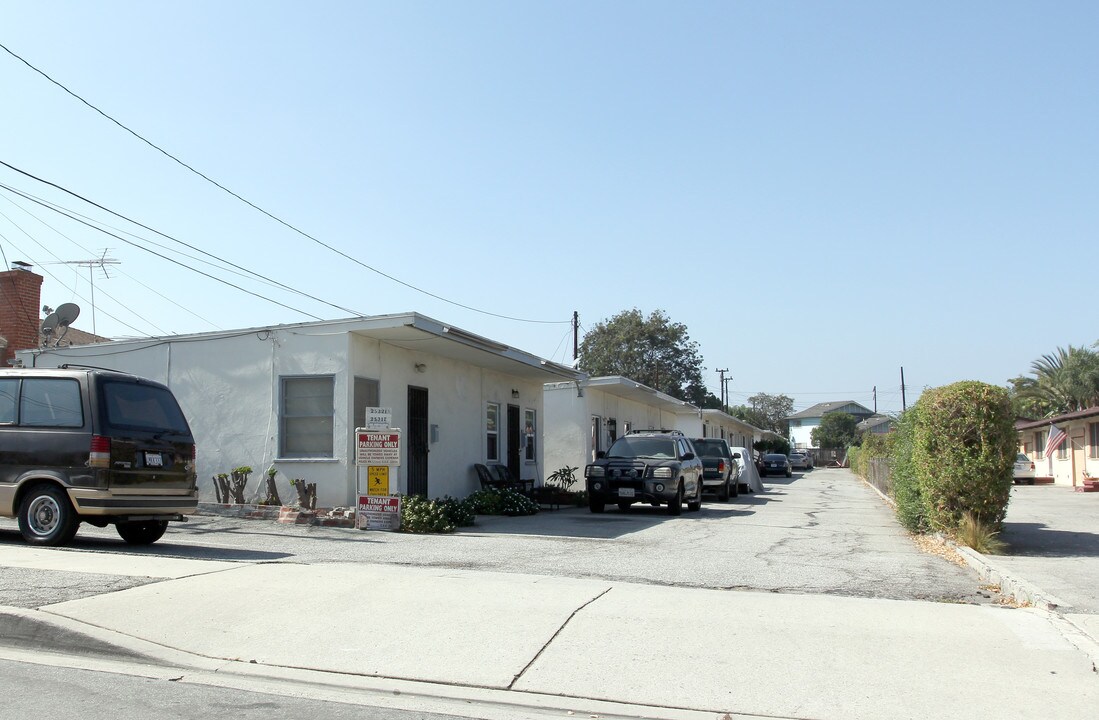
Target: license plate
(625, 492)
(154, 459)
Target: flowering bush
(501, 502)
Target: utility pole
(575, 334)
(904, 403)
(875, 399)
(725, 387)
(724, 405)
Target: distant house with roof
(1077, 457)
(877, 424)
(802, 423)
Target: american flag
(1056, 437)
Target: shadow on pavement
(1026, 539)
(582, 523)
(164, 548)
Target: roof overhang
(623, 387)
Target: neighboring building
(717, 424)
(291, 396)
(584, 417)
(1076, 459)
(877, 424)
(20, 323)
(802, 423)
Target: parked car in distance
(776, 464)
(1024, 470)
(720, 473)
(656, 466)
(96, 446)
(800, 461)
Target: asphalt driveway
(1053, 542)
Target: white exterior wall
(228, 387)
(568, 430)
(717, 424)
(801, 436)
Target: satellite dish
(49, 324)
(66, 313)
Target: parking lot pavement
(1053, 542)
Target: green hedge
(954, 455)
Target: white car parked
(1024, 469)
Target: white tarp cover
(748, 473)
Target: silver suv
(653, 466)
(96, 446)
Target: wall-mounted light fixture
(420, 367)
(514, 393)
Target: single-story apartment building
(291, 396)
(1076, 459)
(718, 424)
(584, 417)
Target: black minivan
(96, 446)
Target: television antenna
(101, 262)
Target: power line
(164, 257)
(65, 190)
(268, 214)
(123, 272)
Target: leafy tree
(653, 350)
(836, 430)
(1063, 381)
(767, 412)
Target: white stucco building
(290, 396)
(717, 424)
(586, 416)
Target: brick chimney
(20, 300)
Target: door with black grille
(515, 438)
(417, 441)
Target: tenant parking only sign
(378, 447)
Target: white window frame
(330, 417)
(492, 431)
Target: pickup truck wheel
(675, 507)
(723, 493)
(734, 488)
(46, 517)
(145, 532)
(696, 504)
(595, 505)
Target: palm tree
(1064, 381)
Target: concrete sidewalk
(654, 651)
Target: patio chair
(506, 479)
(484, 476)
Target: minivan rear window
(137, 406)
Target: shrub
(906, 486)
(459, 512)
(963, 449)
(501, 502)
(420, 515)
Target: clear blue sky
(821, 192)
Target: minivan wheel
(145, 532)
(46, 517)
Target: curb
(1021, 592)
(74, 644)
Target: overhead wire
(154, 230)
(165, 257)
(265, 212)
(120, 270)
(59, 261)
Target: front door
(515, 439)
(417, 441)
